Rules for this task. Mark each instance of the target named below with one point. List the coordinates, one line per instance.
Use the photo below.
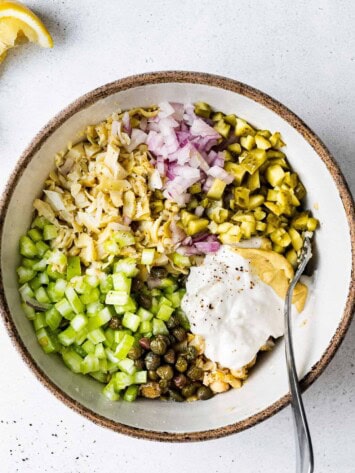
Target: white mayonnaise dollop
(231, 308)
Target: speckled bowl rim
(233, 86)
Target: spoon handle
(304, 450)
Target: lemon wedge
(18, 24)
(274, 269)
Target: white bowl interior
(312, 333)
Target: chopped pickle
(265, 133)
(241, 197)
(203, 110)
(276, 140)
(253, 160)
(186, 217)
(216, 117)
(248, 142)
(291, 257)
(300, 190)
(300, 221)
(255, 201)
(228, 156)
(262, 142)
(237, 171)
(235, 148)
(197, 226)
(274, 175)
(231, 119)
(291, 179)
(275, 208)
(296, 239)
(253, 181)
(272, 153)
(280, 237)
(243, 128)
(195, 188)
(312, 224)
(222, 128)
(217, 189)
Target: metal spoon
(304, 450)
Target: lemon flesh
(19, 24)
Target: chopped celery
(90, 296)
(53, 318)
(73, 267)
(144, 314)
(140, 377)
(41, 295)
(146, 326)
(89, 347)
(124, 346)
(74, 300)
(181, 260)
(89, 364)
(116, 298)
(79, 322)
(126, 266)
(121, 282)
(164, 312)
(109, 391)
(147, 256)
(159, 327)
(27, 247)
(39, 321)
(131, 393)
(46, 341)
(131, 321)
(49, 232)
(127, 365)
(100, 319)
(25, 274)
(122, 380)
(42, 248)
(68, 336)
(39, 222)
(29, 311)
(106, 284)
(34, 234)
(96, 336)
(72, 360)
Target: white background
(300, 52)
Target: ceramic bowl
(317, 336)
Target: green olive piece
(180, 334)
(190, 389)
(115, 323)
(169, 356)
(195, 373)
(158, 345)
(150, 390)
(181, 364)
(152, 361)
(175, 396)
(135, 352)
(158, 272)
(204, 393)
(165, 372)
(153, 375)
(180, 381)
(191, 353)
(145, 301)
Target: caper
(190, 389)
(158, 272)
(175, 396)
(115, 323)
(182, 280)
(191, 353)
(169, 356)
(150, 390)
(139, 364)
(180, 347)
(180, 334)
(165, 372)
(144, 343)
(195, 373)
(204, 393)
(153, 375)
(137, 285)
(173, 322)
(158, 346)
(145, 301)
(164, 385)
(135, 352)
(181, 364)
(152, 361)
(180, 381)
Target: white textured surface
(304, 57)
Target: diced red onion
(178, 110)
(208, 246)
(200, 128)
(199, 210)
(165, 110)
(126, 122)
(137, 138)
(143, 125)
(208, 183)
(220, 173)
